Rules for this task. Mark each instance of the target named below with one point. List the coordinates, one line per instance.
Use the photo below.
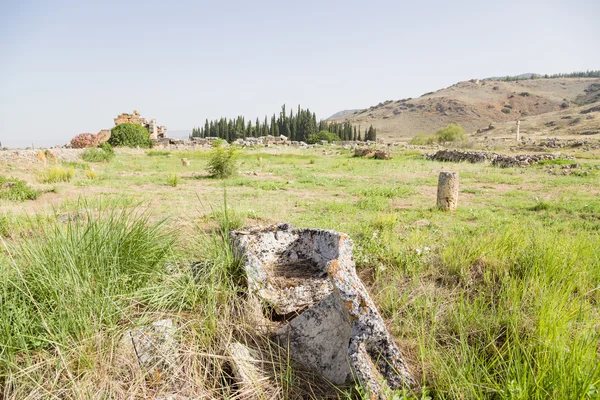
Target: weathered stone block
(308, 278)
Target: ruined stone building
(156, 131)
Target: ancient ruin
(447, 191)
(306, 279)
(497, 160)
(156, 131)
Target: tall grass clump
(103, 153)
(222, 161)
(173, 180)
(16, 189)
(57, 174)
(522, 320)
(73, 280)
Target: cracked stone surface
(155, 347)
(337, 330)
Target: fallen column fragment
(307, 277)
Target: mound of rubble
(307, 279)
(497, 160)
(35, 156)
(555, 143)
(372, 153)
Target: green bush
(423, 139)
(57, 174)
(222, 162)
(129, 135)
(322, 135)
(16, 189)
(173, 180)
(451, 133)
(104, 153)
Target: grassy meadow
(497, 300)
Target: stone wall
(156, 131)
(498, 160)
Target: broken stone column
(518, 136)
(447, 191)
(307, 278)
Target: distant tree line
(298, 127)
(580, 74)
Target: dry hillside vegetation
(477, 104)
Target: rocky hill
(476, 104)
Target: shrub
(505, 111)
(564, 105)
(222, 162)
(84, 140)
(524, 94)
(104, 153)
(57, 174)
(130, 135)
(322, 135)
(91, 174)
(173, 180)
(451, 133)
(423, 139)
(16, 189)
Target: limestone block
(447, 192)
(309, 279)
(155, 348)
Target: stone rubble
(245, 365)
(36, 156)
(555, 143)
(370, 152)
(498, 160)
(155, 348)
(308, 278)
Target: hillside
(476, 104)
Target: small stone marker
(185, 162)
(447, 192)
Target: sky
(70, 67)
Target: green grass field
(497, 300)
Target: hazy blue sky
(69, 67)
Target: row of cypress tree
(578, 74)
(294, 126)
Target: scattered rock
(51, 157)
(372, 153)
(498, 160)
(422, 222)
(40, 155)
(155, 348)
(245, 364)
(103, 136)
